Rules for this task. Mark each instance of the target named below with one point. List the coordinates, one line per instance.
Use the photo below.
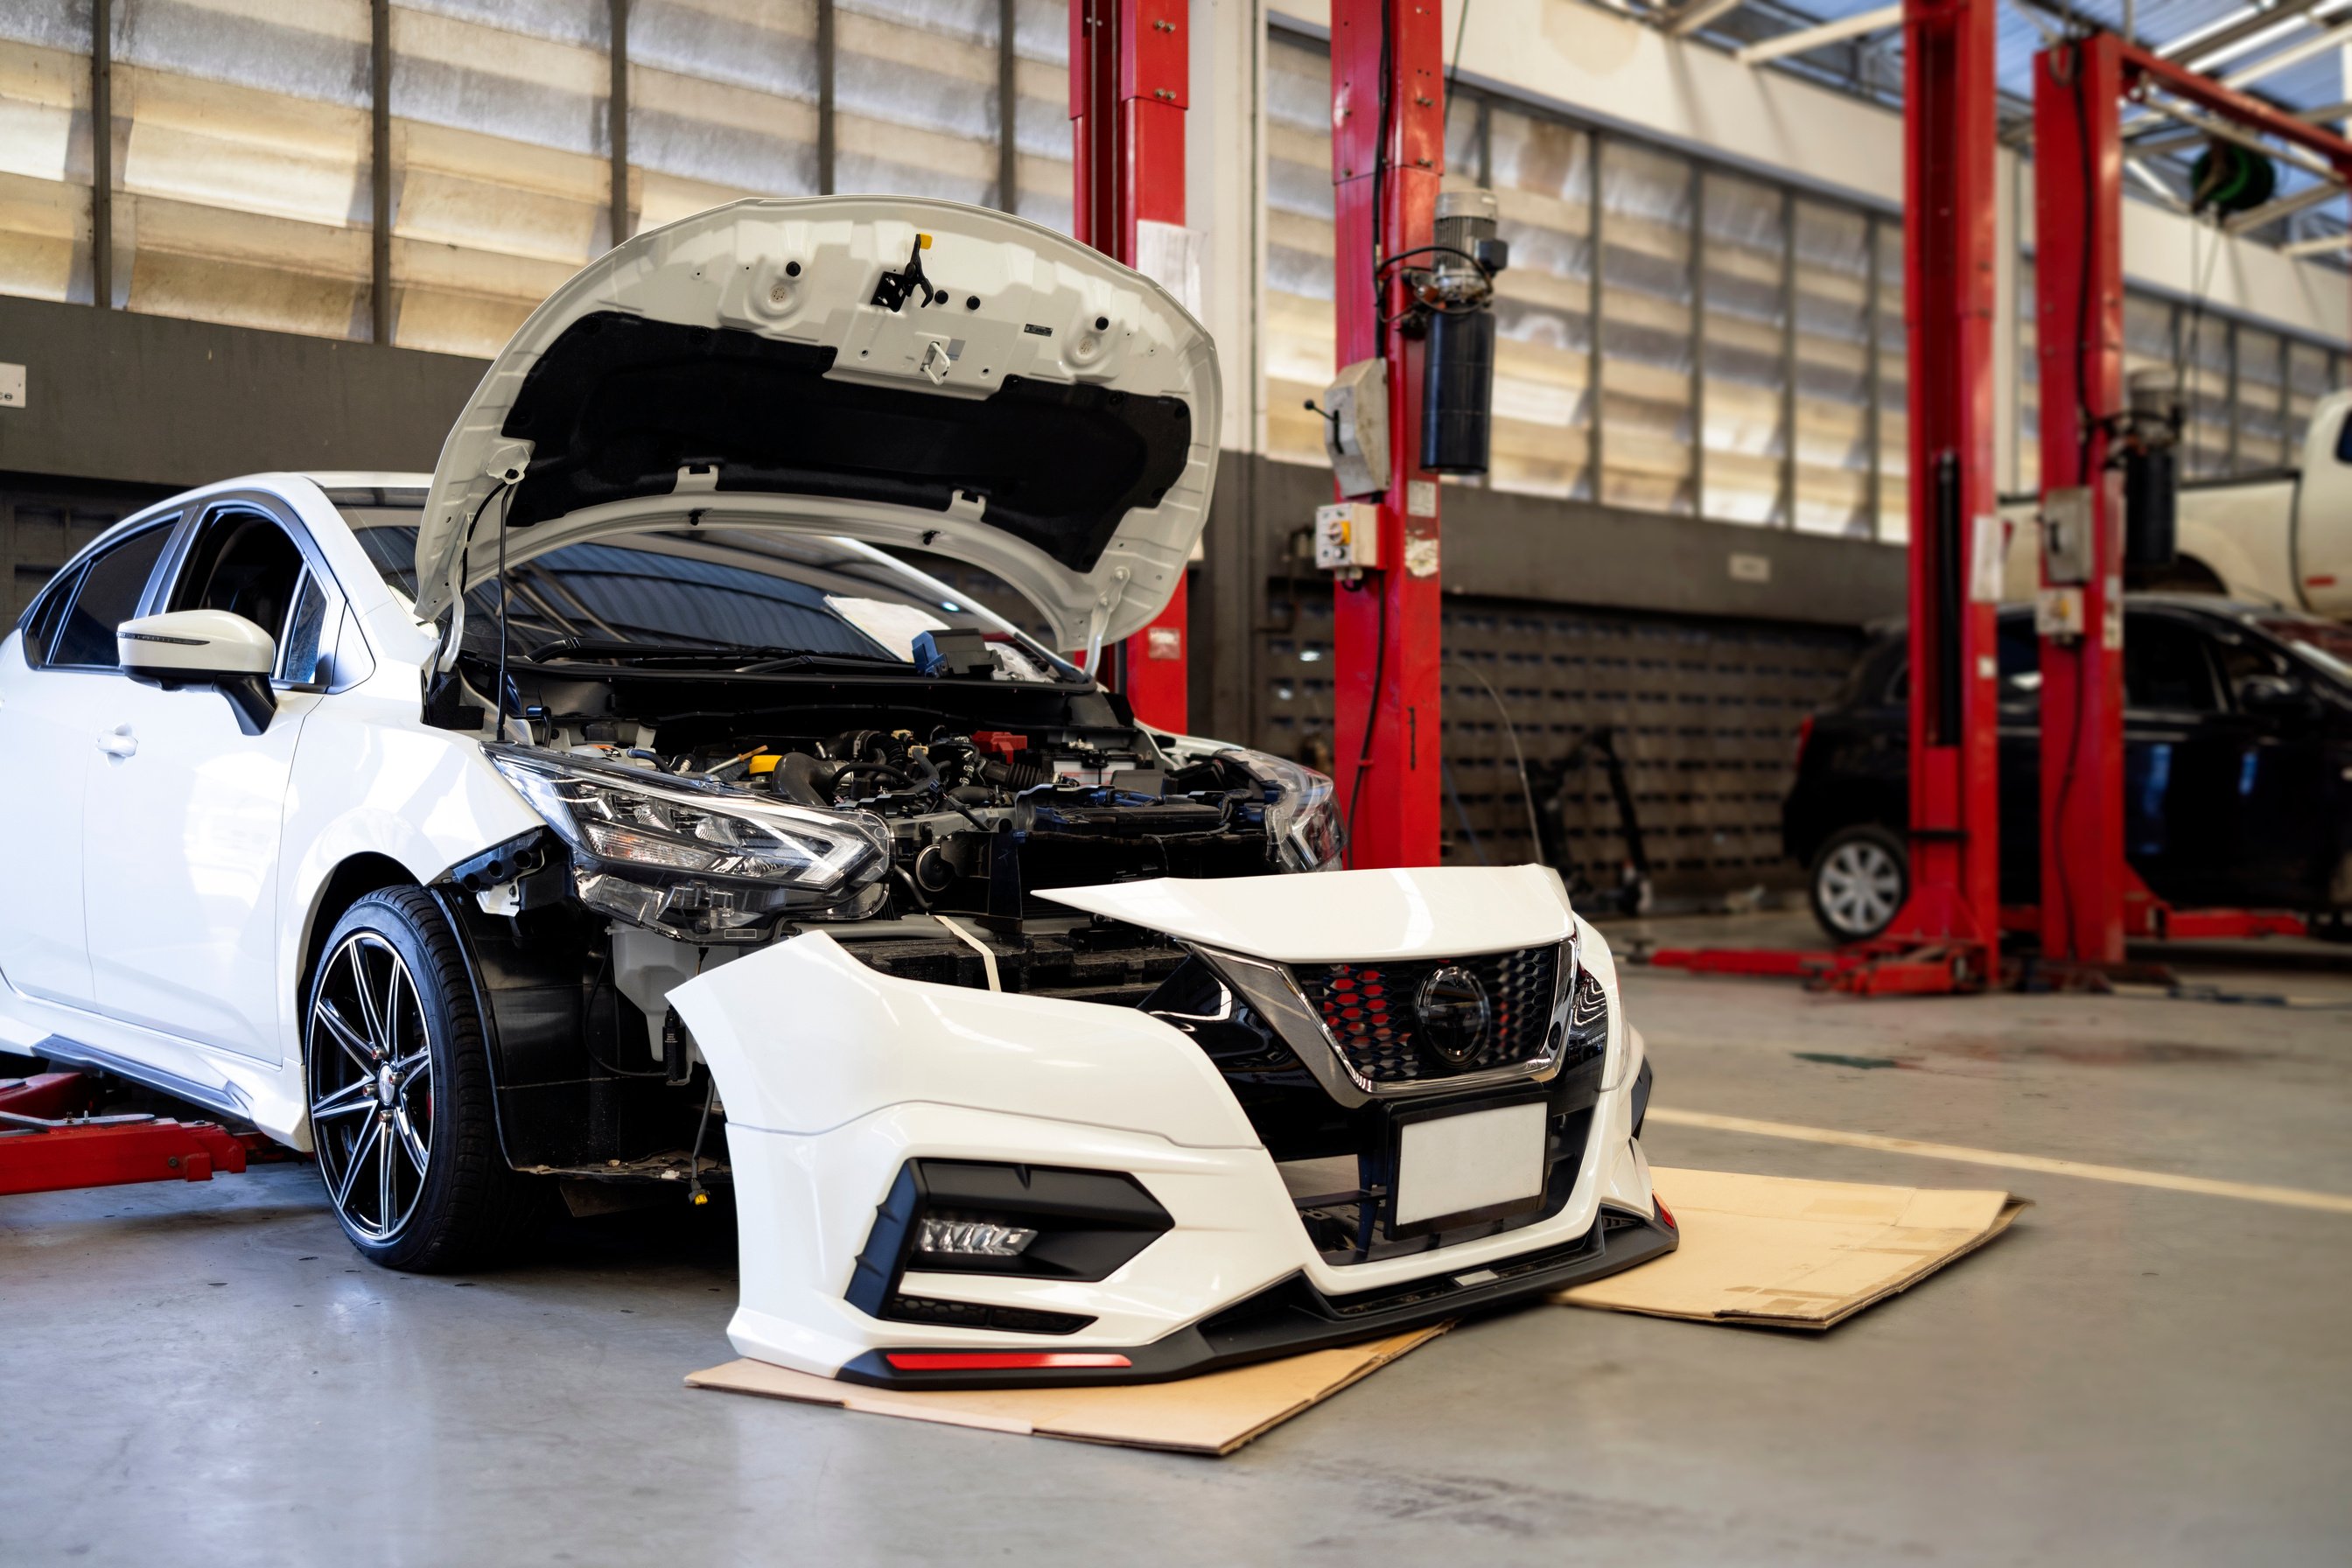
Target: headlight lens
(1302, 820)
(699, 860)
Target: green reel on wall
(2227, 179)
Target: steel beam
(2140, 67)
(617, 124)
(1388, 152)
(1130, 71)
(1822, 34)
(101, 154)
(1949, 211)
(2294, 54)
(1697, 14)
(380, 322)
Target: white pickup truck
(2283, 537)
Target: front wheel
(1860, 878)
(398, 1084)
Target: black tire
(396, 1063)
(1859, 880)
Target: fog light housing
(955, 1235)
(972, 1217)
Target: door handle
(119, 743)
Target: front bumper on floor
(858, 1102)
(1293, 1316)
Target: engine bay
(977, 818)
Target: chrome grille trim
(1275, 990)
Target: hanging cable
(1461, 31)
(1519, 757)
(1380, 343)
(1371, 717)
(1469, 834)
(2083, 424)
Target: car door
(180, 841)
(2184, 826)
(2279, 767)
(51, 677)
(2018, 695)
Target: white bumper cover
(835, 1076)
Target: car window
(2021, 660)
(2243, 659)
(2166, 668)
(108, 593)
(732, 586)
(300, 651)
(2323, 643)
(245, 562)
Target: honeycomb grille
(1588, 1018)
(1373, 1018)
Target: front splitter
(1291, 1317)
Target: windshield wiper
(746, 658)
(621, 647)
(796, 659)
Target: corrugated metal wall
(43, 522)
(1701, 709)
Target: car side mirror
(203, 650)
(2274, 696)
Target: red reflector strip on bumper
(998, 1360)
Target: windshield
(2323, 643)
(666, 594)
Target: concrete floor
(205, 1374)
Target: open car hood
(906, 372)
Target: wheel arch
(352, 880)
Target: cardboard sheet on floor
(1215, 1413)
(1773, 1252)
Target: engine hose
(805, 779)
(1013, 775)
(885, 770)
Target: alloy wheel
(370, 1080)
(1860, 885)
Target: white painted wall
(1224, 169)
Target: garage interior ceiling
(2290, 53)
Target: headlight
(1302, 820)
(699, 860)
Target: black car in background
(2237, 766)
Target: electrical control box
(1346, 536)
(1356, 427)
(2066, 536)
(2058, 614)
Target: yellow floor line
(2251, 1192)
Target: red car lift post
(2092, 900)
(1129, 64)
(45, 1149)
(1946, 935)
(1388, 156)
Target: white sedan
(610, 815)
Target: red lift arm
(45, 1148)
(1946, 936)
(1950, 247)
(2091, 899)
(1388, 154)
(1128, 64)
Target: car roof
(1892, 628)
(368, 480)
